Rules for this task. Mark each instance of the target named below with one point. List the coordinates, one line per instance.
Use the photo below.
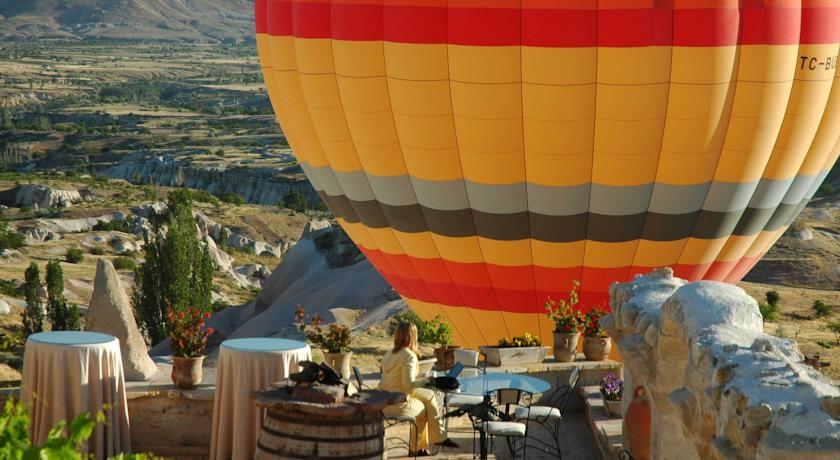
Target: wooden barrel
(288, 433)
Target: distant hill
(168, 20)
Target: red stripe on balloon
(261, 16)
(280, 17)
(426, 23)
(457, 283)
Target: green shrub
(63, 442)
(63, 316)
(97, 251)
(74, 256)
(431, 332)
(203, 196)
(124, 226)
(9, 238)
(824, 343)
(821, 309)
(834, 326)
(769, 312)
(232, 198)
(773, 297)
(125, 263)
(295, 201)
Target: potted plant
(334, 341)
(438, 332)
(187, 339)
(568, 321)
(523, 349)
(596, 343)
(612, 389)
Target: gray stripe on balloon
(608, 200)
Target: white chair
(469, 360)
(551, 415)
(507, 426)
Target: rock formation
(40, 196)
(5, 309)
(719, 386)
(110, 312)
(257, 185)
(323, 272)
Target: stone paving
(577, 442)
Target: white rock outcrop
(719, 386)
(39, 196)
(5, 309)
(110, 312)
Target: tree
(62, 316)
(6, 120)
(33, 316)
(177, 271)
(295, 201)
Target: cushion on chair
(504, 428)
(541, 412)
(466, 357)
(458, 399)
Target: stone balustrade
(719, 386)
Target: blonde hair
(405, 337)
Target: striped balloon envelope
(485, 153)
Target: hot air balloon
(484, 154)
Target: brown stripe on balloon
(563, 228)
(556, 229)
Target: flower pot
(565, 346)
(597, 348)
(340, 362)
(445, 357)
(503, 356)
(186, 372)
(425, 365)
(613, 407)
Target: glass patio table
(491, 381)
(483, 384)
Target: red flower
(207, 315)
(181, 315)
(210, 331)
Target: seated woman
(399, 374)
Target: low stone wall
(719, 386)
(172, 423)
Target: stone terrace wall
(719, 386)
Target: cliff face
(256, 185)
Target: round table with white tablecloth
(66, 373)
(247, 365)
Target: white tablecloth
(246, 365)
(67, 373)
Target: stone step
(605, 429)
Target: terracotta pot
(340, 362)
(636, 425)
(186, 372)
(565, 346)
(597, 348)
(445, 357)
(613, 408)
